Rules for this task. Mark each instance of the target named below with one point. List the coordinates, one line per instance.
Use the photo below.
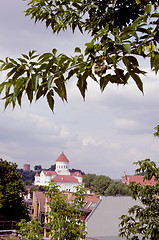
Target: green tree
(100, 184)
(11, 193)
(53, 167)
(28, 177)
(117, 188)
(88, 179)
(142, 222)
(30, 230)
(37, 167)
(65, 219)
(156, 134)
(120, 32)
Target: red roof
(91, 201)
(137, 179)
(40, 196)
(50, 173)
(62, 158)
(65, 178)
(36, 175)
(76, 174)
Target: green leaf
(2, 85)
(155, 15)
(45, 57)
(127, 47)
(36, 82)
(82, 83)
(60, 87)
(90, 47)
(8, 65)
(103, 82)
(9, 74)
(31, 53)
(120, 73)
(138, 81)
(133, 60)
(29, 91)
(77, 49)
(54, 51)
(50, 99)
(148, 8)
(18, 73)
(71, 73)
(50, 80)
(40, 92)
(22, 60)
(19, 97)
(13, 61)
(25, 56)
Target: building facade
(62, 176)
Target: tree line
(99, 184)
(29, 176)
(103, 185)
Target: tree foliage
(65, 219)
(88, 179)
(156, 134)
(11, 193)
(97, 183)
(120, 31)
(27, 176)
(117, 188)
(53, 167)
(142, 222)
(37, 167)
(100, 184)
(30, 230)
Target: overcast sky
(104, 134)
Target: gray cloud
(103, 135)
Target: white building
(62, 176)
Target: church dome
(62, 158)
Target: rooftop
(62, 158)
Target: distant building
(62, 176)
(26, 167)
(137, 179)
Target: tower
(62, 165)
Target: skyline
(104, 134)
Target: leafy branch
(111, 56)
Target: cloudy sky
(104, 134)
